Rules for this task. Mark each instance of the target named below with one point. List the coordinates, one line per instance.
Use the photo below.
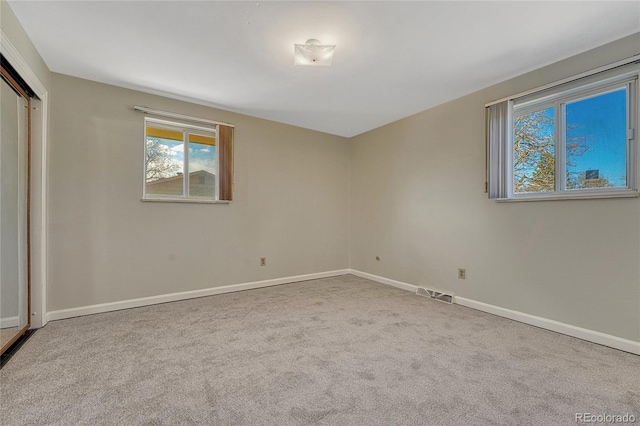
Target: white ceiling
(393, 59)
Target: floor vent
(436, 295)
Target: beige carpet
(338, 351)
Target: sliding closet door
(14, 251)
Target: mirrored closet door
(14, 211)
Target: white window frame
(185, 197)
(500, 143)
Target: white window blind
(499, 134)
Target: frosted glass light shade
(314, 54)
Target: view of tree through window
(160, 161)
(591, 132)
(534, 151)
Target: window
(572, 140)
(185, 162)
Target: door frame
(39, 178)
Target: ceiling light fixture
(313, 53)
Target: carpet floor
(336, 351)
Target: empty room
(331, 213)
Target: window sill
(585, 196)
(183, 200)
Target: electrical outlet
(263, 261)
(462, 273)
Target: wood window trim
(225, 162)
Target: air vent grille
(436, 295)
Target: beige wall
(290, 204)
(417, 201)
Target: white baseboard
(559, 327)
(172, 297)
(9, 322)
(570, 330)
(383, 280)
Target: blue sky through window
(601, 122)
(202, 157)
